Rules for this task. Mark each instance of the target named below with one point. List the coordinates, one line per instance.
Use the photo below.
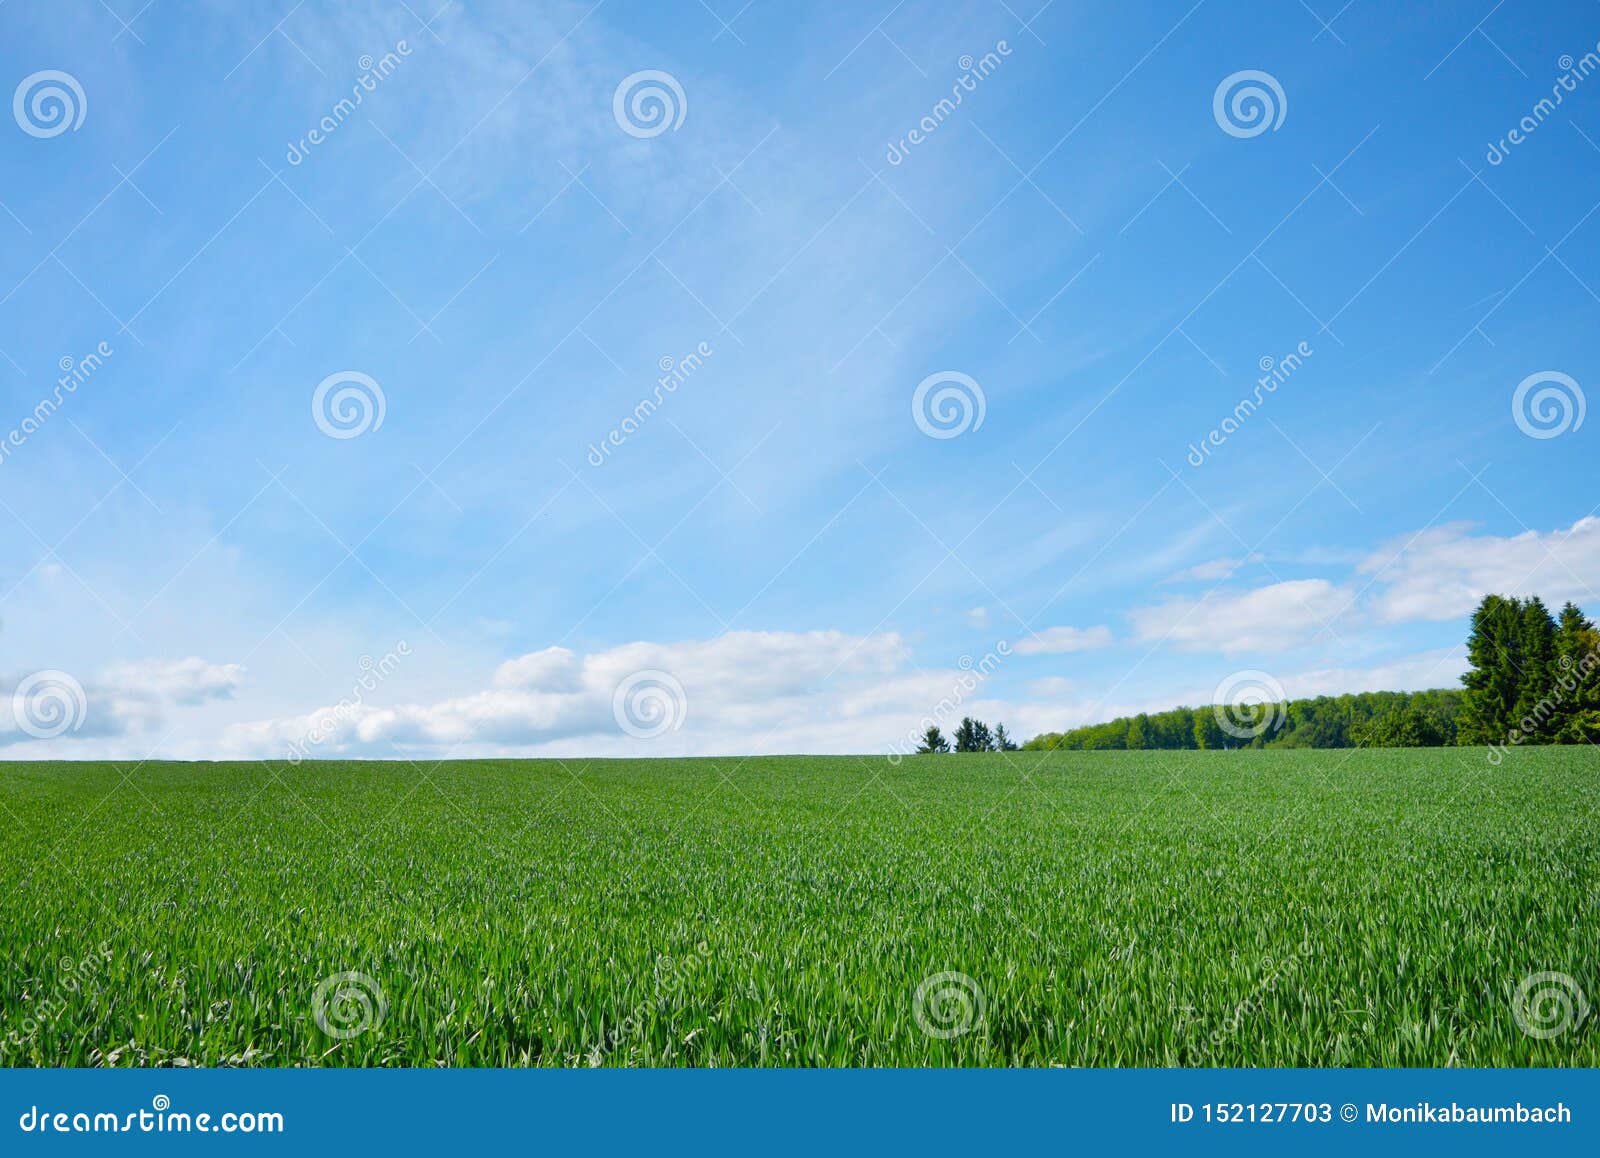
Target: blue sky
(200, 570)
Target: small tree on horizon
(967, 735)
(1002, 740)
(933, 741)
(982, 738)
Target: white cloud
(1062, 640)
(742, 691)
(179, 681)
(1440, 668)
(1276, 617)
(1051, 688)
(1441, 573)
(978, 617)
(554, 669)
(1211, 571)
(127, 699)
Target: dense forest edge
(1534, 678)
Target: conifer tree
(1493, 684)
(1538, 697)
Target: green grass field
(1118, 908)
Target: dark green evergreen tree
(1538, 697)
(933, 741)
(1494, 683)
(967, 735)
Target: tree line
(970, 736)
(1362, 719)
(1534, 678)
